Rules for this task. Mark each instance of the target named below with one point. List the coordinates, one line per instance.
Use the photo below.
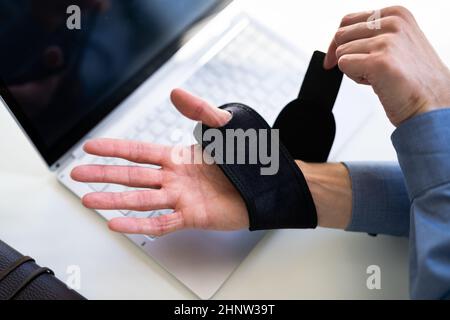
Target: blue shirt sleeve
(423, 148)
(380, 202)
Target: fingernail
(228, 116)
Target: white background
(42, 219)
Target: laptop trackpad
(203, 260)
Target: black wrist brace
(281, 199)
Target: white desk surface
(42, 219)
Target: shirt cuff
(380, 203)
(423, 148)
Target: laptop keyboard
(254, 68)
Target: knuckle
(141, 200)
(338, 37)
(117, 200)
(380, 63)
(135, 176)
(343, 62)
(159, 226)
(340, 51)
(395, 23)
(116, 148)
(130, 176)
(132, 150)
(382, 42)
(346, 20)
(389, 39)
(399, 11)
(102, 174)
(140, 152)
(390, 43)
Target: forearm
(331, 189)
(360, 197)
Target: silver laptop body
(230, 58)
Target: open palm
(200, 194)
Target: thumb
(330, 59)
(197, 109)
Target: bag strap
(35, 274)
(17, 264)
(14, 266)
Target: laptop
(112, 78)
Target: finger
(153, 226)
(330, 59)
(362, 31)
(384, 18)
(133, 151)
(355, 67)
(357, 17)
(197, 109)
(135, 177)
(145, 200)
(355, 47)
(350, 19)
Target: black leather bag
(22, 279)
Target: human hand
(396, 59)
(200, 194)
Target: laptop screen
(65, 64)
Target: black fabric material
(23, 279)
(307, 131)
(277, 201)
(307, 125)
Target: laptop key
(157, 128)
(97, 187)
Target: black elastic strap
(277, 201)
(14, 266)
(307, 125)
(320, 85)
(35, 274)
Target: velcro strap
(320, 85)
(276, 194)
(307, 125)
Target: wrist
(438, 98)
(429, 108)
(331, 190)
